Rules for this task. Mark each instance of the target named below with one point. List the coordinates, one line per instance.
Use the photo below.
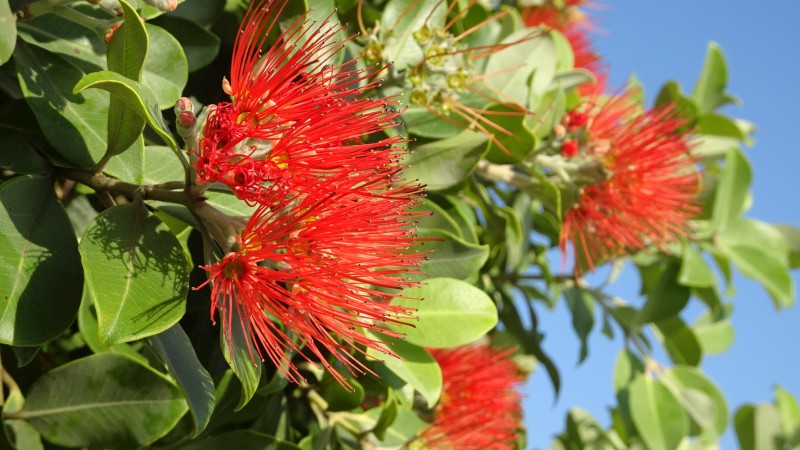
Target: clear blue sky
(660, 41)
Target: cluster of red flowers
(649, 180)
(645, 182)
(480, 407)
(332, 231)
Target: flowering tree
(331, 224)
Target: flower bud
(182, 105)
(163, 5)
(186, 119)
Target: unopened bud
(183, 104)
(111, 6)
(163, 5)
(110, 33)
(226, 86)
(186, 119)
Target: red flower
(294, 119)
(480, 407)
(321, 266)
(649, 183)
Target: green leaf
(78, 45)
(405, 427)
(513, 141)
(451, 313)
(760, 251)
(659, 417)
(18, 432)
(702, 399)
(402, 18)
(105, 400)
(175, 350)
(135, 95)
(714, 331)
(238, 349)
(136, 273)
(695, 272)
(74, 124)
(442, 164)
(665, 297)
(146, 165)
(758, 427)
(680, 342)
(413, 364)
(338, 397)
(671, 94)
(525, 68)
(8, 31)
(165, 67)
(626, 368)
(87, 323)
(40, 274)
(788, 409)
(451, 256)
(199, 46)
(732, 190)
(20, 138)
(792, 235)
(126, 53)
(709, 92)
(581, 305)
(240, 440)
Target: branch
(101, 182)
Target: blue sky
(660, 41)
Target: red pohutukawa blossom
(293, 117)
(480, 407)
(316, 272)
(647, 185)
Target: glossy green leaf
(443, 164)
(165, 67)
(405, 427)
(240, 440)
(451, 256)
(671, 94)
(526, 67)
(659, 417)
(732, 190)
(126, 53)
(513, 141)
(403, 18)
(76, 44)
(20, 138)
(626, 367)
(719, 125)
(8, 32)
(714, 331)
(40, 274)
(760, 251)
(136, 273)
(581, 306)
(74, 124)
(135, 95)
(87, 324)
(758, 427)
(240, 353)
(199, 46)
(710, 88)
(105, 400)
(701, 398)
(665, 297)
(680, 341)
(340, 398)
(695, 272)
(20, 434)
(413, 364)
(175, 349)
(146, 165)
(451, 313)
(792, 235)
(788, 409)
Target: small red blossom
(650, 183)
(293, 118)
(325, 266)
(570, 148)
(480, 407)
